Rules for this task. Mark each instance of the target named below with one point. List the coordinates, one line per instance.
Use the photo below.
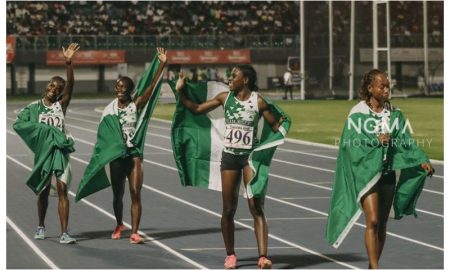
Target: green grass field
(322, 121)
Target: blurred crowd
(151, 18)
(406, 22)
(167, 18)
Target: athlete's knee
(118, 193)
(256, 210)
(61, 188)
(382, 224)
(42, 200)
(135, 193)
(229, 211)
(372, 222)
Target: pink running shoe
(136, 239)
(117, 231)
(264, 263)
(230, 262)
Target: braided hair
(249, 72)
(366, 81)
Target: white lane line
(303, 165)
(30, 243)
(85, 114)
(278, 160)
(247, 226)
(271, 174)
(357, 223)
(433, 191)
(200, 208)
(238, 248)
(305, 153)
(280, 201)
(154, 241)
(303, 198)
(93, 131)
(328, 188)
(295, 141)
(335, 147)
(333, 171)
(315, 211)
(274, 159)
(289, 218)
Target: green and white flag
(197, 141)
(51, 148)
(361, 161)
(110, 144)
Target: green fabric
(50, 146)
(146, 112)
(110, 145)
(261, 157)
(196, 151)
(360, 165)
(191, 139)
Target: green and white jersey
(241, 121)
(51, 115)
(127, 119)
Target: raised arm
(195, 108)
(68, 88)
(268, 116)
(142, 100)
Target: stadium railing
(143, 41)
(210, 41)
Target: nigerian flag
(361, 162)
(110, 145)
(51, 148)
(197, 141)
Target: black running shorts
(233, 162)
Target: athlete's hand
(282, 118)
(70, 51)
(162, 55)
(180, 82)
(428, 168)
(384, 139)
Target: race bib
(238, 136)
(127, 118)
(52, 119)
(127, 134)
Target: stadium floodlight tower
(351, 71)
(302, 50)
(425, 47)
(330, 46)
(376, 47)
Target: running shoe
(40, 233)
(67, 239)
(117, 231)
(136, 239)
(230, 262)
(264, 263)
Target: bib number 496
(237, 138)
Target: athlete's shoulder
(361, 107)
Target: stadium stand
(145, 21)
